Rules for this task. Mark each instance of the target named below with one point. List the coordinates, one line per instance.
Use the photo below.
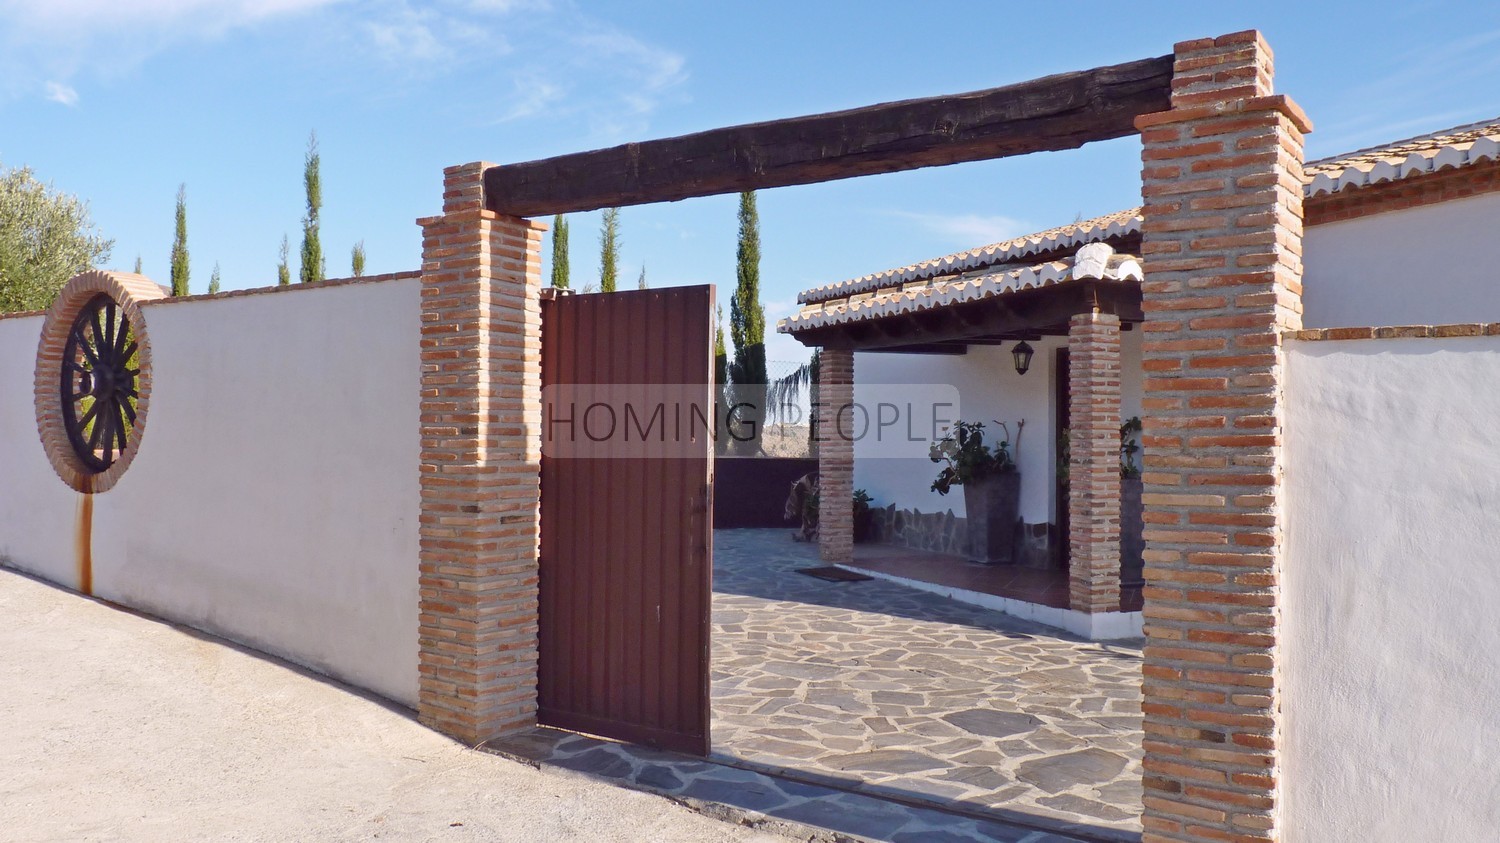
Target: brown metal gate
(626, 541)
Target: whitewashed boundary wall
(1392, 649)
(1403, 267)
(274, 497)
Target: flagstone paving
(806, 812)
(893, 691)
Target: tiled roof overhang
(1118, 224)
(1462, 146)
(1095, 261)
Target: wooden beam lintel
(1057, 112)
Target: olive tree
(46, 237)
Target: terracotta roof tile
(1456, 147)
(1094, 261)
(1006, 251)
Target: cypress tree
(721, 355)
(312, 248)
(747, 319)
(609, 250)
(213, 280)
(357, 259)
(283, 269)
(560, 252)
(722, 400)
(747, 330)
(179, 246)
(640, 283)
(137, 264)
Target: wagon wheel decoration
(99, 372)
(93, 377)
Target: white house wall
(1392, 649)
(1411, 267)
(274, 498)
(989, 390)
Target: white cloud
(508, 6)
(57, 40)
(548, 60)
(655, 67)
(969, 230)
(58, 92)
(425, 34)
(609, 80)
(646, 75)
(534, 94)
(71, 20)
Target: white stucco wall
(274, 499)
(38, 512)
(989, 389)
(1409, 267)
(1392, 579)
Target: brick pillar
(1222, 184)
(481, 452)
(836, 428)
(1094, 462)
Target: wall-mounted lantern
(1022, 354)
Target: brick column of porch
(1094, 462)
(1222, 184)
(835, 455)
(481, 446)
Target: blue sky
(119, 101)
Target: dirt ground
(119, 727)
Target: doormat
(833, 574)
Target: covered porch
(1071, 301)
(1038, 594)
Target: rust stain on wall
(84, 543)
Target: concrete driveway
(119, 727)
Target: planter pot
(863, 525)
(1132, 528)
(993, 507)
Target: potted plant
(862, 515)
(1132, 520)
(991, 484)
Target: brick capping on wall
(293, 287)
(253, 291)
(1222, 181)
(1472, 329)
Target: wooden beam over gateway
(1056, 112)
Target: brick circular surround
(128, 291)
